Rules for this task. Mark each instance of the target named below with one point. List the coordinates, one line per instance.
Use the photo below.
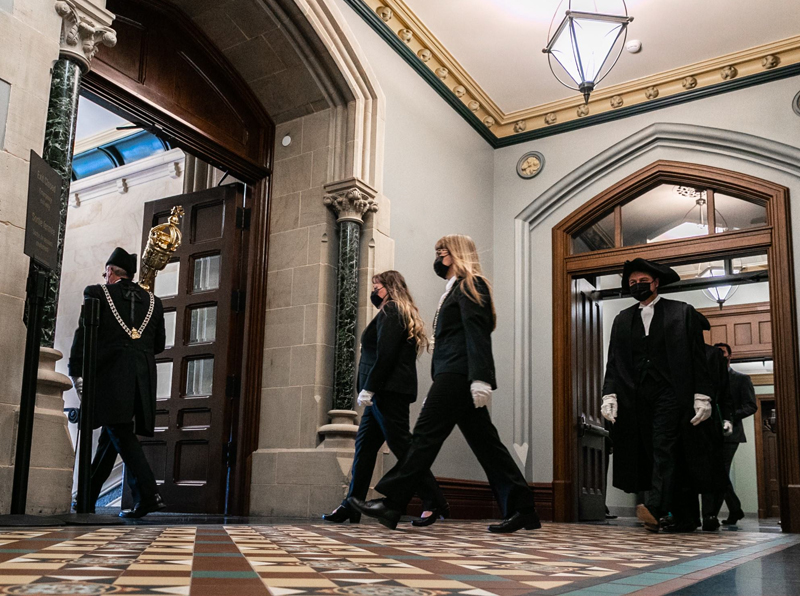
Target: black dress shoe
(733, 518)
(377, 508)
(436, 513)
(529, 521)
(710, 523)
(143, 508)
(342, 514)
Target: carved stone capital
(85, 25)
(350, 199)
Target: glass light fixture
(718, 294)
(584, 39)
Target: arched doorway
(575, 260)
(174, 72)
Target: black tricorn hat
(124, 260)
(666, 275)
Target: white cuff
(480, 386)
(702, 397)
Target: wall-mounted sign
(44, 207)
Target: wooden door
(198, 374)
(587, 384)
(767, 461)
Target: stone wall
(30, 32)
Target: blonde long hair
(467, 267)
(397, 292)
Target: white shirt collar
(450, 283)
(651, 305)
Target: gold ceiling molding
(410, 29)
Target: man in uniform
(130, 334)
(656, 390)
(744, 404)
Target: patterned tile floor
(367, 560)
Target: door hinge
(237, 301)
(243, 218)
(230, 454)
(233, 386)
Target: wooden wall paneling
(747, 328)
(774, 238)
(472, 499)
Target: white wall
(764, 111)
(438, 178)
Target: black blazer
(126, 368)
(744, 404)
(388, 357)
(463, 336)
(718, 373)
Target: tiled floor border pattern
(367, 560)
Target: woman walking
(387, 383)
(463, 381)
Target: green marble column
(59, 139)
(346, 315)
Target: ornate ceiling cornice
(409, 36)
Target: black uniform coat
(722, 409)
(744, 404)
(688, 374)
(463, 336)
(388, 357)
(126, 368)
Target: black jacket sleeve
(160, 341)
(702, 378)
(747, 398)
(611, 380)
(725, 398)
(392, 332)
(478, 324)
(75, 364)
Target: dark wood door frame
(255, 169)
(773, 238)
(759, 432)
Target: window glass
(667, 212)
(200, 377)
(163, 380)
(206, 273)
(166, 284)
(738, 214)
(598, 236)
(203, 325)
(169, 327)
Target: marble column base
(52, 453)
(341, 432)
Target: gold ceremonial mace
(164, 239)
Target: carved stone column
(85, 25)
(350, 200)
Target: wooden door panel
(191, 447)
(587, 381)
(747, 328)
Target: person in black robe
(387, 385)
(743, 404)
(131, 332)
(656, 390)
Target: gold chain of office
(133, 333)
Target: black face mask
(440, 268)
(375, 299)
(641, 291)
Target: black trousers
(667, 414)
(387, 420)
(449, 404)
(120, 439)
(727, 494)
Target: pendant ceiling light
(585, 39)
(722, 293)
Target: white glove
(727, 428)
(702, 408)
(77, 382)
(481, 393)
(609, 408)
(365, 398)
